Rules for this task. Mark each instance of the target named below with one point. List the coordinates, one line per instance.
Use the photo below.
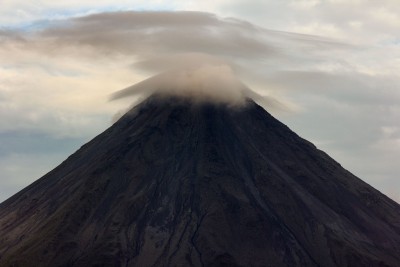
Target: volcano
(177, 183)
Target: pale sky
(334, 65)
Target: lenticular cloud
(215, 83)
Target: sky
(330, 70)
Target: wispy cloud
(152, 40)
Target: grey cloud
(353, 20)
(354, 107)
(159, 63)
(347, 87)
(343, 108)
(139, 33)
(11, 37)
(185, 39)
(7, 33)
(149, 33)
(158, 40)
(206, 82)
(146, 36)
(26, 155)
(37, 121)
(20, 142)
(20, 169)
(352, 134)
(211, 82)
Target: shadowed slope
(177, 184)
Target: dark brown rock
(179, 184)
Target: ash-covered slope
(177, 184)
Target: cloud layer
(343, 95)
(190, 42)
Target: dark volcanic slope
(173, 184)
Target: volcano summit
(174, 183)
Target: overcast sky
(332, 65)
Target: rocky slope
(178, 184)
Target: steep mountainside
(178, 184)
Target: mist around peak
(197, 77)
(207, 83)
